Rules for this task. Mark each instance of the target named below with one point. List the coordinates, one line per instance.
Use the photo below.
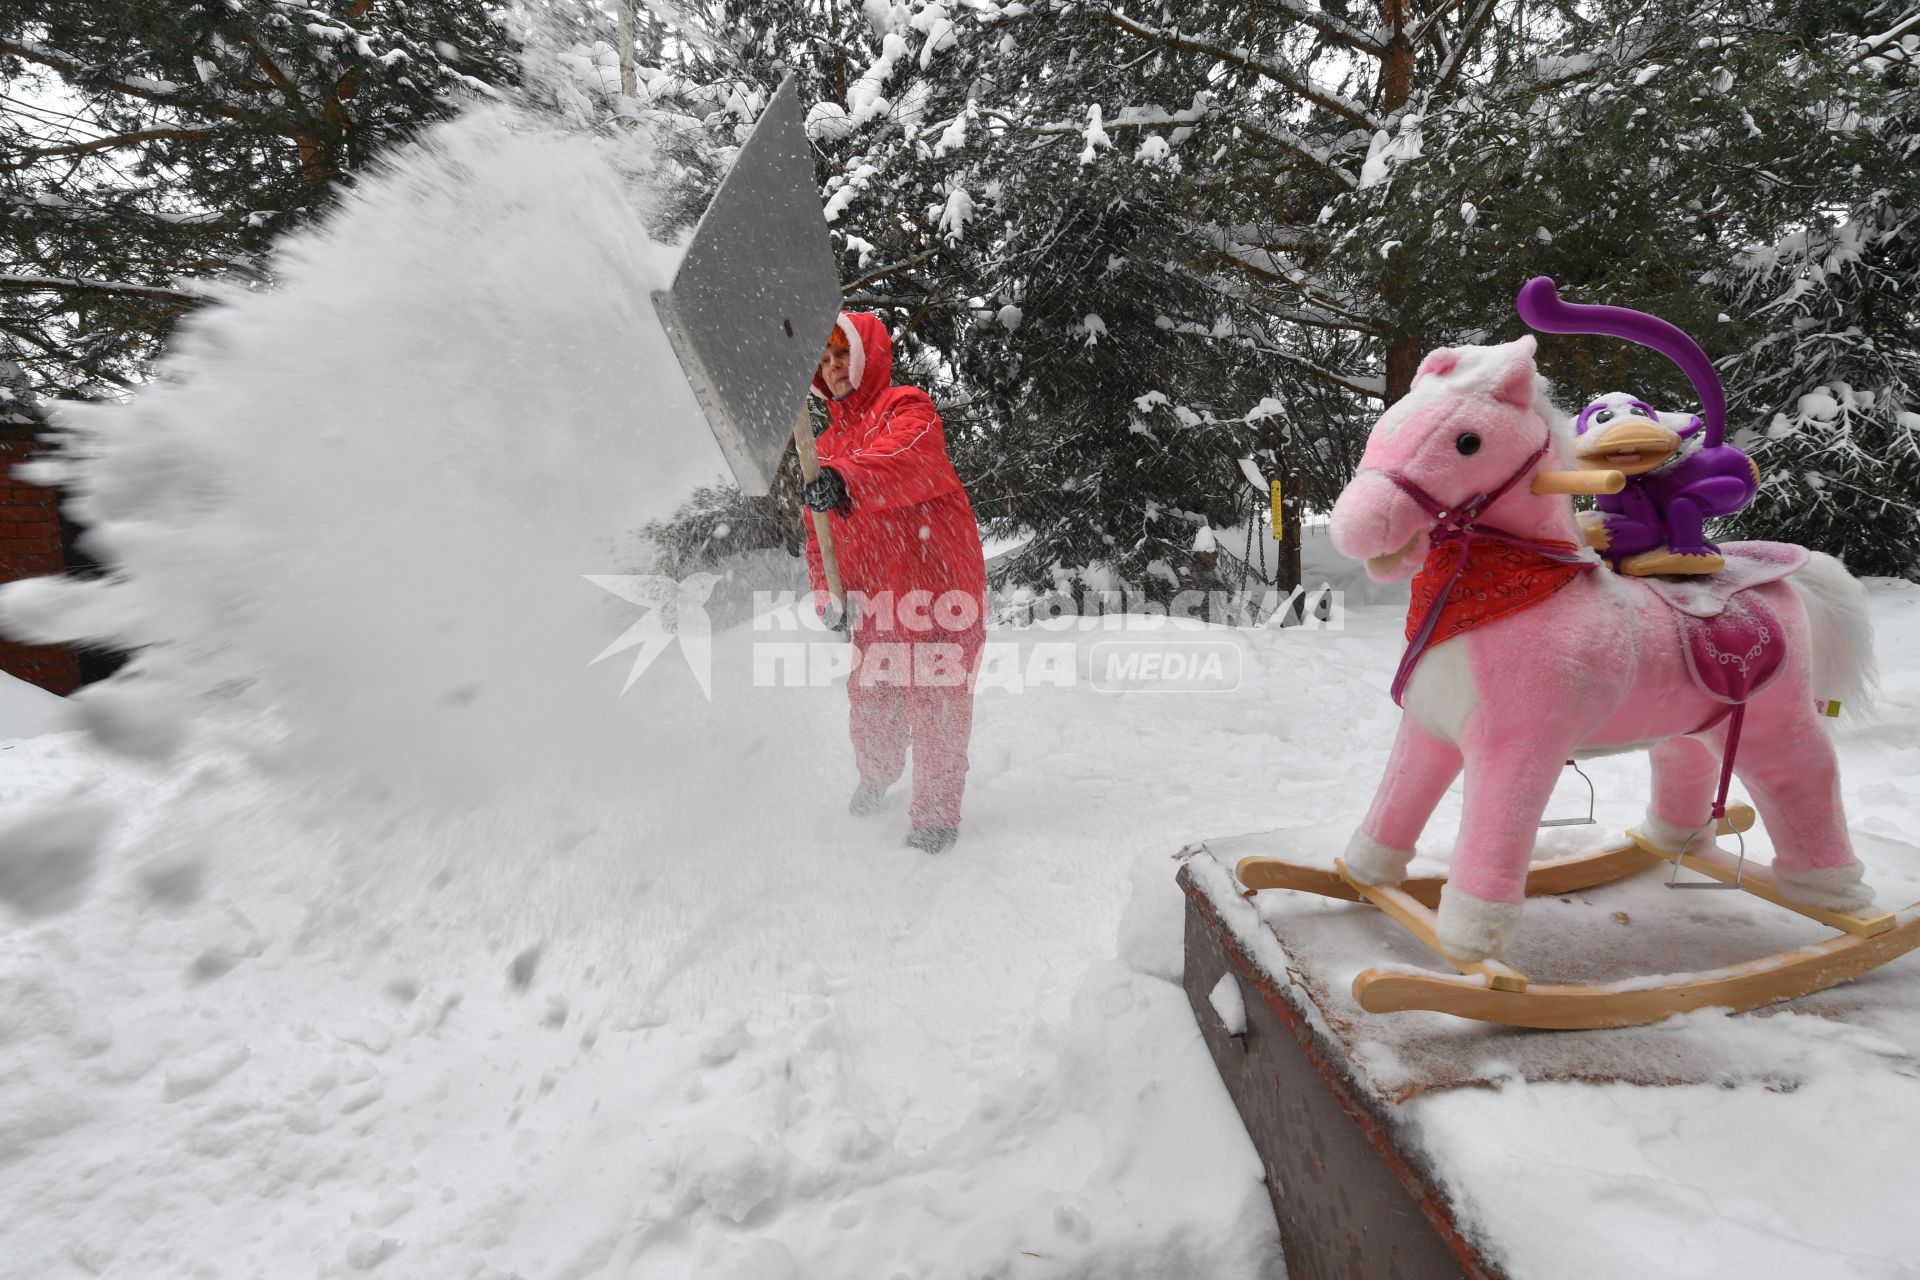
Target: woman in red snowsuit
(909, 553)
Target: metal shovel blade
(757, 295)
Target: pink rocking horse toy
(1525, 652)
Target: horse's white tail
(1842, 629)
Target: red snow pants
(915, 693)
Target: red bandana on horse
(1499, 578)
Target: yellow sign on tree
(1279, 519)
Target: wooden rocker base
(1559, 875)
(1590, 1006)
(1489, 991)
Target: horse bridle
(1459, 525)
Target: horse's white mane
(1474, 371)
(1558, 421)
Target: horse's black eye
(1468, 443)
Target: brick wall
(29, 548)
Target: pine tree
(151, 146)
(1190, 229)
(1829, 393)
(1370, 183)
(1035, 285)
(1113, 239)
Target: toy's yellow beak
(1634, 446)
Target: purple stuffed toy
(1680, 473)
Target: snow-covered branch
(69, 284)
(148, 90)
(1314, 318)
(1296, 81)
(1135, 118)
(1314, 306)
(1875, 46)
(1469, 38)
(1373, 388)
(129, 140)
(881, 273)
(1016, 125)
(1554, 72)
(1291, 142)
(1428, 23)
(210, 222)
(1333, 27)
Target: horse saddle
(1734, 641)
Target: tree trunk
(1287, 572)
(1403, 359)
(628, 83)
(1396, 90)
(1274, 442)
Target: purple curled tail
(1539, 305)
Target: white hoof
(1834, 888)
(1374, 863)
(1670, 837)
(1470, 928)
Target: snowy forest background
(1125, 245)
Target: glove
(827, 492)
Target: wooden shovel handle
(822, 526)
(1570, 482)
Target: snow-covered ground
(745, 1034)
(428, 952)
(27, 711)
(742, 1035)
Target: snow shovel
(751, 308)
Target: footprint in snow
(48, 856)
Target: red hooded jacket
(910, 526)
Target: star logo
(675, 610)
